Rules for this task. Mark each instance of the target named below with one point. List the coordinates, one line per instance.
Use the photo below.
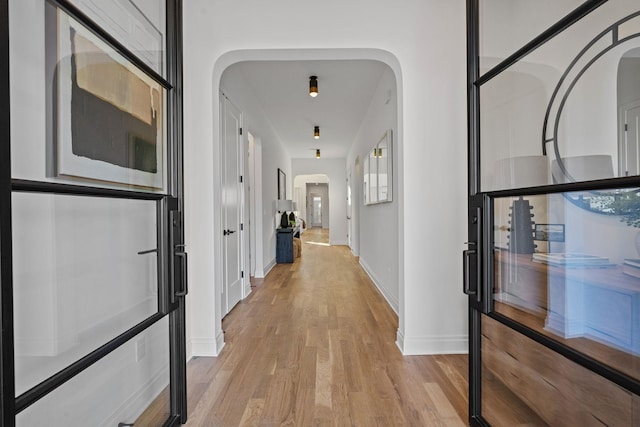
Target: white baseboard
(268, 268)
(400, 340)
(135, 405)
(259, 273)
(451, 344)
(391, 300)
(206, 347)
(219, 342)
(339, 242)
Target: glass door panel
(95, 116)
(85, 271)
(555, 116)
(140, 25)
(581, 286)
(554, 336)
(526, 383)
(94, 279)
(117, 389)
(506, 25)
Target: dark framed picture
(109, 115)
(549, 232)
(282, 185)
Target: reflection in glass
(580, 283)
(527, 384)
(505, 25)
(78, 278)
(138, 24)
(373, 176)
(57, 64)
(562, 103)
(116, 389)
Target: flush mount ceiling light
(313, 86)
(317, 153)
(316, 132)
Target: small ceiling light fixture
(313, 86)
(317, 153)
(316, 132)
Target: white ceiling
(345, 89)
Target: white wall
(336, 171)
(378, 224)
(423, 41)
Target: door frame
(171, 253)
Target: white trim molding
(391, 300)
(205, 347)
(446, 344)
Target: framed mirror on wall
(378, 177)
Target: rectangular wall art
(109, 114)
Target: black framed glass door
(552, 264)
(92, 243)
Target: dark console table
(284, 244)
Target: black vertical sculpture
(521, 228)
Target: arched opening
(311, 194)
(293, 165)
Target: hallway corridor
(314, 345)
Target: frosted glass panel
(78, 278)
(117, 389)
(548, 119)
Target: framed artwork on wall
(282, 185)
(378, 172)
(109, 115)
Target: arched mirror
(591, 127)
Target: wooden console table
(598, 303)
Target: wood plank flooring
(314, 345)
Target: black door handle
(231, 231)
(148, 251)
(185, 281)
(469, 286)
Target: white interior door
(315, 210)
(630, 153)
(231, 205)
(349, 210)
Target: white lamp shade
(285, 205)
(523, 171)
(583, 168)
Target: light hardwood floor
(314, 345)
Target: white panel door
(231, 206)
(631, 153)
